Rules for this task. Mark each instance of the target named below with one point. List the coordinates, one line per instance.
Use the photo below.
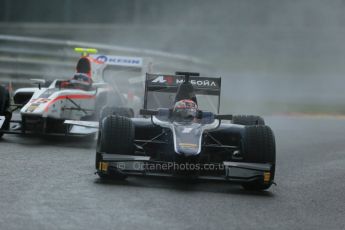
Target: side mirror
(38, 82)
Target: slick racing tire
(259, 147)
(248, 120)
(116, 135)
(4, 104)
(119, 111)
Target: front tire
(116, 135)
(259, 147)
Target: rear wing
(163, 83)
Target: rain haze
(273, 56)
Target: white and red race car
(88, 96)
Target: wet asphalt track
(49, 184)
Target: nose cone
(187, 139)
(39, 107)
(188, 149)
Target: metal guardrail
(22, 58)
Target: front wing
(73, 129)
(237, 172)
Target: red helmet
(185, 110)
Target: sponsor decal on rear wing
(160, 90)
(136, 62)
(170, 83)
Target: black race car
(178, 137)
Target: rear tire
(248, 120)
(116, 135)
(259, 147)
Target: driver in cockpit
(186, 107)
(79, 81)
(82, 77)
(185, 111)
